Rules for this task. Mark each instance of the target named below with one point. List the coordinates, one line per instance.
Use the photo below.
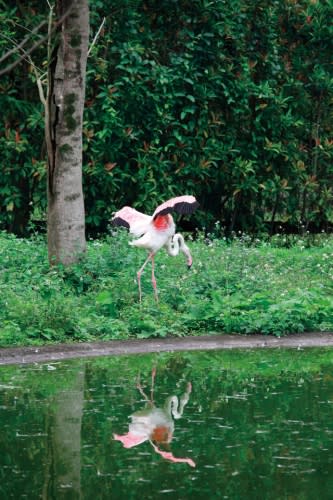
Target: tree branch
(39, 84)
(10, 67)
(24, 41)
(25, 57)
(96, 36)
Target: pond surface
(227, 424)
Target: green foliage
(22, 182)
(240, 286)
(222, 99)
(228, 100)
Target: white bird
(156, 424)
(157, 231)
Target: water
(250, 425)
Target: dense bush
(227, 99)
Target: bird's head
(186, 251)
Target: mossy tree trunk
(64, 113)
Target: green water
(251, 425)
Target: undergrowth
(243, 286)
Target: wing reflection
(156, 424)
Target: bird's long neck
(174, 407)
(176, 245)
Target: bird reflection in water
(155, 424)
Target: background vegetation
(228, 100)
(239, 287)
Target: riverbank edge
(48, 353)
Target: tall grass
(239, 286)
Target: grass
(242, 286)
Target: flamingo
(156, 424)
(157, 231)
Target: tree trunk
(62, 477)
(64, 112)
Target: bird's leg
(153, 279)
(140, 389)
(153, 375)
(150, 256)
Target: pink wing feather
(129, 440)
(182, 204)
(135, 221)
(138, 223)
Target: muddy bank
(22, 355)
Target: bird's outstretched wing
(135, 221)
(181, 204)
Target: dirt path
(22, 355)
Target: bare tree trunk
(62, 477)
(64, 112)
